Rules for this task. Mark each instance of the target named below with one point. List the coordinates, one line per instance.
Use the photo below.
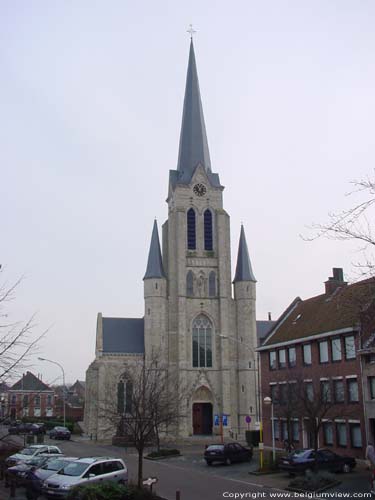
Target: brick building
(30, 397)
(313, 350)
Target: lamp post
(63, 374)
(268, 401)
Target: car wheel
(346, 468)
(228, 461)
(208, 462)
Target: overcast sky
(91, 96)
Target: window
(190, 284)
(95, 469)
(273, 360)
(309, 388)
(128, 397)
(212, 284)
(284, 430)
(283, 393)
(328, 433)
(338, 389)
(349, 347)
(13, 399)
(295, 430)
(306, 349)
(292, 356)
(336, 349)
(25, 401)
(342, 439)
(191, 236)
(353, 395)
(355, 435)
(323, 351)
(208, 230)
(120, 397)
(49, 400)
(124, 397)
(325, 391)
(282, 358)
(371, 386)
(202, 342)
(274, 393)
(276, 429)
(37, 401)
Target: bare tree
(148, 405)
(18, 342)
(354, 224)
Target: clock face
(200, 189)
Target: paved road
(195, 480)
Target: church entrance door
(202, 418)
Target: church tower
(205, 325)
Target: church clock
(200, 189)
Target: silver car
(52, 466)
(84, 471)
(32, 452)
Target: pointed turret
(193, 138)
(244, 271)
(154, 263)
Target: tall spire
(154, 263)
(193, 139)
(244, 271)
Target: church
(204, 328)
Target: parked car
(17, 472)
(31, 452)
(52, 466)
(227, 453)
(59, 433)
(25, 428)
(42, 427)
(300, 461)
(84, 471)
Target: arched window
(191, 233)
(124, 397)
(212, 284)
(208, 230)
(190, 284)
(202, 342)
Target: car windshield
(55, 464)
(300, 453)
(36, 461)
(74, 469)
(28, 451)
(216, 447)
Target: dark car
(59, 433)
(227, 453)
(300, 461)
(25, 428)
(17, 472)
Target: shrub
(163, 453)
(109, 491)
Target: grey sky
(91, 102)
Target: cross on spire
(191, 31)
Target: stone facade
(192, 287)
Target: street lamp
(63, 374)
(268, 401)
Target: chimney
(269, 317)
(335, 281)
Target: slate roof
(244, 270)
(263, 328)
(123, 335)
(155, 262)
(29, 382)
(323, 313)
(193, 139)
